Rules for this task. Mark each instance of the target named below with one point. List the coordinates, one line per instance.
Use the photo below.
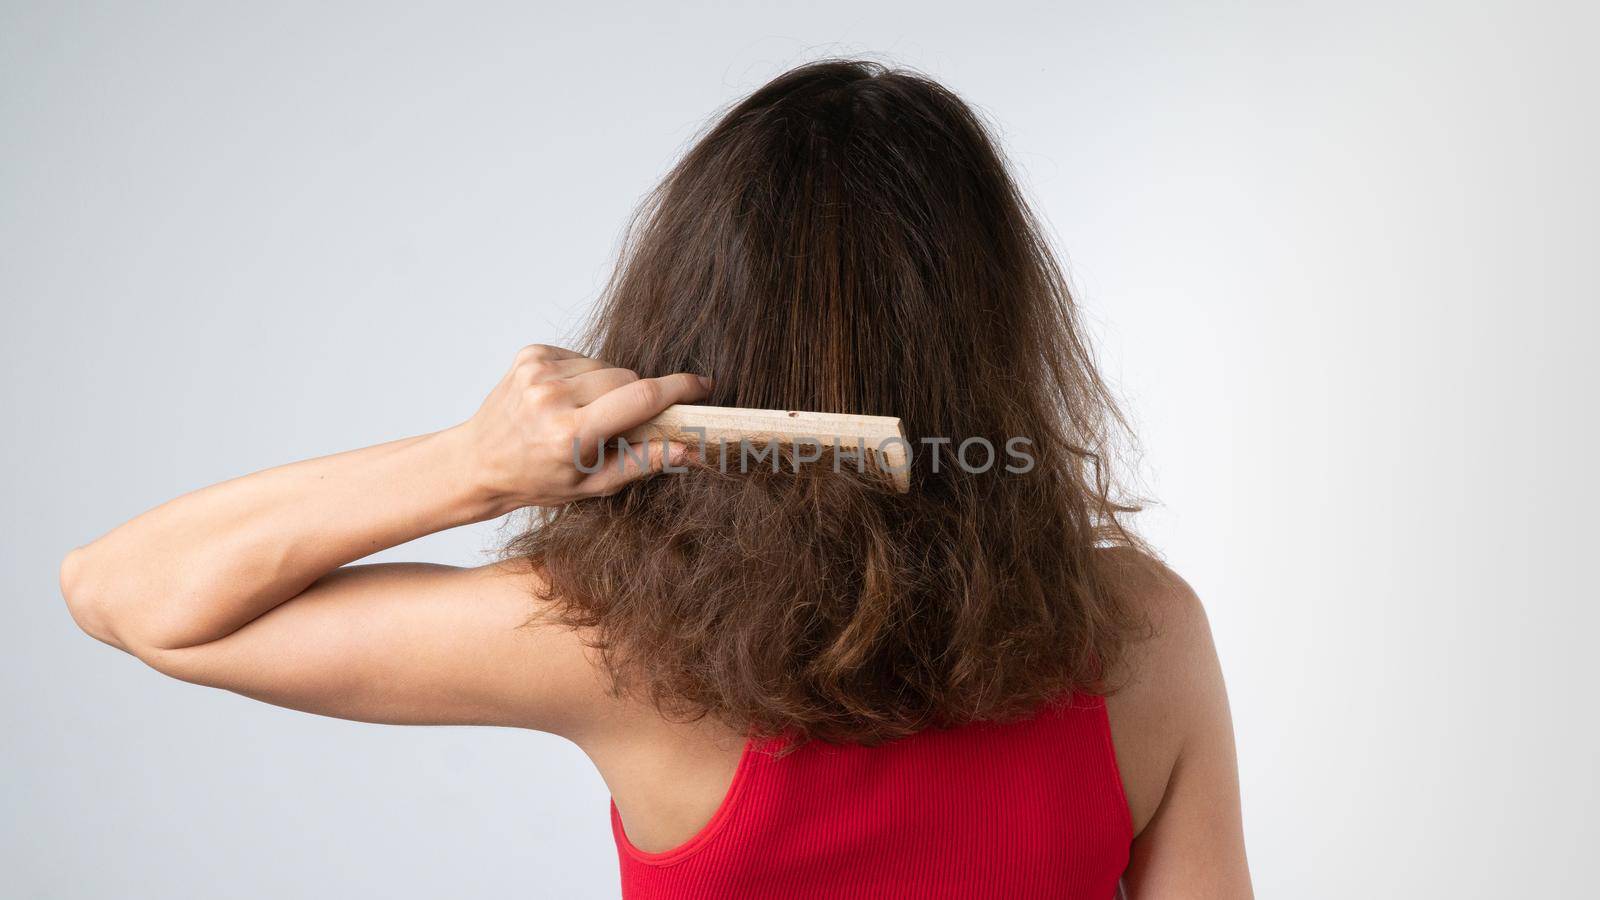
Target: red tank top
(1024, 809)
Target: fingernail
(679, 454)
(705, 381)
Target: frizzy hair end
(847, 240)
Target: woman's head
(847, 239)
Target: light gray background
(1340, 258)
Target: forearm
(204, 565)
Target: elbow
(107, 608)
(84, 601)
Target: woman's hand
(553, 412)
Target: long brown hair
(847, 239)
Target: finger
(540, 363)
(624, 467)
(636, 403)
(576, 365)
(588, 387)
(544, 353)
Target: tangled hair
(847, 239)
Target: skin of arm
(245, 585)
(1173, 733)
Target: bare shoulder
(666, 776)
(573, 676)
(1173, 735)
(1168, 682)
(1174, 611)
(595, 713)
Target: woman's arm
(239, 584)
(1174, 739)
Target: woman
(795, 684)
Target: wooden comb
(880, 440)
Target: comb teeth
(879, 441)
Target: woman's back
(1033, 808)
(847, 239)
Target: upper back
(1033, 808)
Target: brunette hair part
(847, 239)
